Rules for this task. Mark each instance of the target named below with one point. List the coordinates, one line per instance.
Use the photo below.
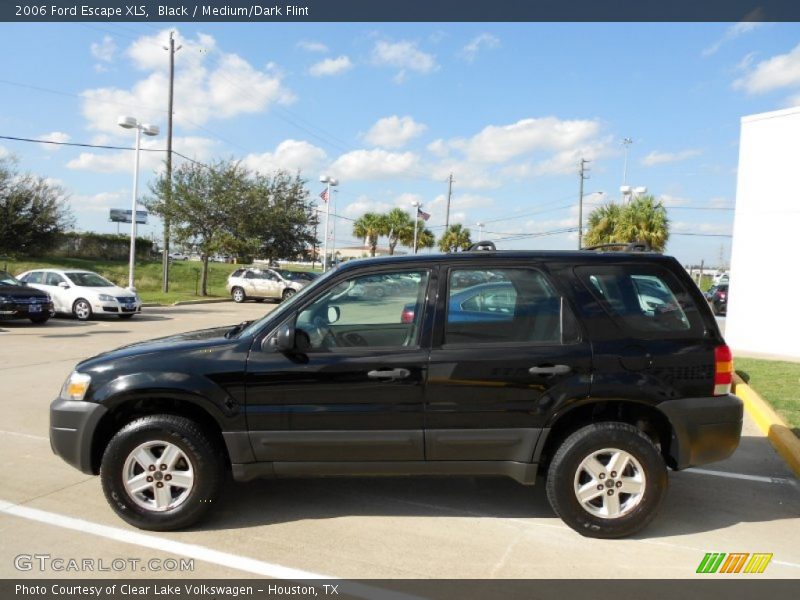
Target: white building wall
(765, 256)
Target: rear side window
(35, 277)
(501, 306)
(646, 300)
(237, 273)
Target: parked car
(83, 294)
(20, 301)
(721, 278)
(178, 256)
(717, 297)
(567, 373)
(259, 284)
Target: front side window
(366, 311)
(33, 277)
(53, 279)
(505, 306)
(83, 279)
(643, 299)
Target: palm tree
(455, 238)
(399, 227)
(642, 220)
(425, 239)
(370, 226)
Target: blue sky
(392, 109)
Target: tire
(126, 316)
(197, 462)
(288, 293)
(82, 309)
(41, 320)
(238, 295)
(569, 471)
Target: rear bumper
(704, 430)
(72, 427)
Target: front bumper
(704, 430)
(117, 308)
(26, 309)
(72, 427)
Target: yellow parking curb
(774, 427)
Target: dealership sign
(120, 215)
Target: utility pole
(314, 243)
(582, 175)
(449, 195)
(168, 200)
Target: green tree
(370, 226)
(399, 228)
(207, 206)
(642, 220)
(455, 238)
(33, 212)
(425, 239)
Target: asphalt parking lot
(354, 528)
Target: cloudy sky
(393, 109)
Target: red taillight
(723, 370)
(722, 295)
(407, 316)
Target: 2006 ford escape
(596, 369)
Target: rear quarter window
(646, 300)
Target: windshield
(286, 305)
(88, 280)
(291, 275)
(8, 279)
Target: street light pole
(328, 181)
(626, 142)
(416, 223)
(131, 123)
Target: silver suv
(258, 284)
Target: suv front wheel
(607, 480)
(161, 472)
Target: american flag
(324, 195)
(423, 215)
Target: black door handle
(551, 370)
(389, 374)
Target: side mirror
(333, 314)
(284, 340)
(63, 285)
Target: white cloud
(4, 152)
(733, 32)
(394, 131)
(773, 73)
(197, 148)
(290, 155)
(405, 200)
(105, 50)
(438, 148)
(375, 164)
(100, 202)
(312, 46)
(693, 227)
(465, 174)
(476, 44)
(405, 56)
(499, 143)
(670, 201)
(462, 201)
(364, 204)
(223, 88)
(660, 158)
(331, 66)
(54, 136)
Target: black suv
(596, 369)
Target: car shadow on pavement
(695, 502)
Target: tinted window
(354, 314)
(237, 273)
(33, 277)
(645, 299)
(503, 306)
(53, 279)
(89, 280)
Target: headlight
(5, 299)
(105, 298)
(75, 386)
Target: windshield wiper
(237, 328)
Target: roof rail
(621, 247)
(487, 245)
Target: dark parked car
(596, 370)
(20, 301)
(717, 297)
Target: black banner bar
(271, 11)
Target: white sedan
(83, 293)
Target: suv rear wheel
(607, 480)
(161, 472)
(238, 294)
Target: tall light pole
(480, 231)
(626, 143)
(329, 182)
(416, 206)
(168, 198)
(131, 123)
(631, 193)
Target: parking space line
(202, 553)
(759, 478)
(30, 436)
